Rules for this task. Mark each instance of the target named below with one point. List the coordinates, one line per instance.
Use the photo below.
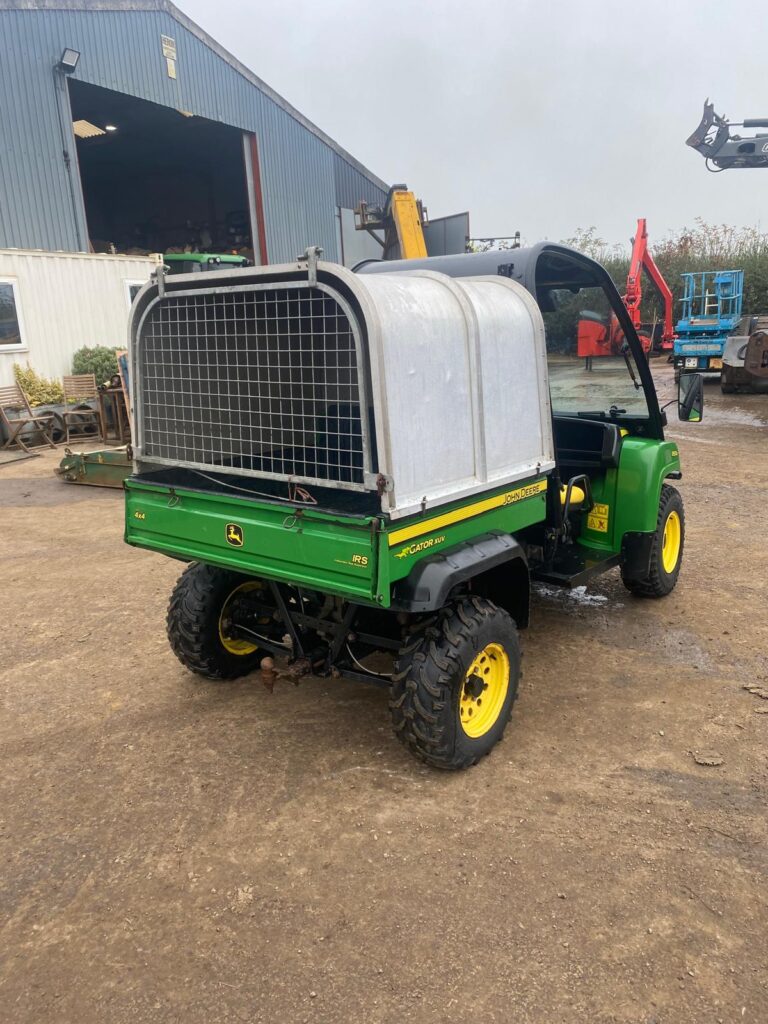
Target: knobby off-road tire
(437, 702)
(726, 386)
(668, 541)
(194, 619)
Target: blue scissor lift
(712, 303)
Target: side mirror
(690, 397)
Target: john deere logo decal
(234, 535)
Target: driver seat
(578, 496)
(586, 446)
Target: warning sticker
(598, 518)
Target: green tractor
(197, 262)
(366, 470)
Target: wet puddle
(578, 596)
(733, 415)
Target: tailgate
(305, 546)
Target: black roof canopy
(539, 268)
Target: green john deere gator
(366, 470)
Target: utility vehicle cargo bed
(355, 556)
(329, 551)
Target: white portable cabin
(416, 386)
(53, 303)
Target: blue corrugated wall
(303, 178)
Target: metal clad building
(300, 176)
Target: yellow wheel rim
(230, 643)
(670, 545)
(484, 691)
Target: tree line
(703, 247)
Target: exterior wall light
(68, 61)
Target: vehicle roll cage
(542, 269)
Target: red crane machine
(602, 336)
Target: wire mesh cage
(261, 380)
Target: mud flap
(636, 555)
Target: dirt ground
(174, 850)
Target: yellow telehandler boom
(402, 218)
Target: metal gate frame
(370, 479)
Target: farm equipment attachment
(713, 139)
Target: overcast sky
(541, 116)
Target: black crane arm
(713, 139)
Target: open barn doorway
(156, 179)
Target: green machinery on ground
(104, 467)
(195, 262)
(366, 471)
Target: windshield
(590, 366)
